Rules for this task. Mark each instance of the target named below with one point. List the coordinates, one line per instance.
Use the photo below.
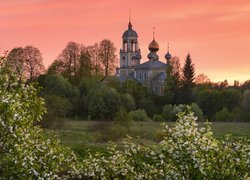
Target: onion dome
(153, 56)
(130, 32)
(137, 56)
(168, 56)
(153, 46)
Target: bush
(127, 101)
(231, 98)
(167, 114)
(158, 118)
(103, 102)
(122, 118)
(210, 102)
(224, 115)
(186, 152)
(138, 115)
(25, 153)
(246, 100)
(147, 105)
(197, 111)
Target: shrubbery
(187, 152)
(169, 112)
(25, 153)
(138, 115)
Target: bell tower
(130, 54)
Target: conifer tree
(188, 73)
(188, 80)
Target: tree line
(79, 83)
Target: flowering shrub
(187, 152)
(24, 151)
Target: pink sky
(216, 32)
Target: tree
(70, 58)
(176, 71)
(97, 67)
(107, 56)
(187, 80)
(188, 73)
(33, 62)
(103, 102)
(57, 67)
(246, 100)
(210, 102)
(169, 78)
(202, 79)
(85, 64)
(246, 85)
(175, 79)
(16, 61)
(135, 89)
(231, 98)
(26, 62)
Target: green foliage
(209, 101)
(187, 81)
(103, 102)
(135, 89)
(238, 115)
(186, 152)
(158, 118)
(122, 118)
(121, 127)
(231, 98)
(127, 102)
(138, 115)
(197, 111)
(170, 112)
(167, 113)
(246, 100)
(188, 73)
(25, 153)
(87, 83)
(224, 115)
(147, 105)
(57, 109)
(56, 84)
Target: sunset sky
(215, 32)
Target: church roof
(130, 32)
(151, 64)
(161, 76)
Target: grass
(85, 136)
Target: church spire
(153, 33)
(129, 24)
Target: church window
(145, 76)
(140, 76)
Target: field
(83, 136)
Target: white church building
(152, 73)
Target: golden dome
(153, 46)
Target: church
(152, 73)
